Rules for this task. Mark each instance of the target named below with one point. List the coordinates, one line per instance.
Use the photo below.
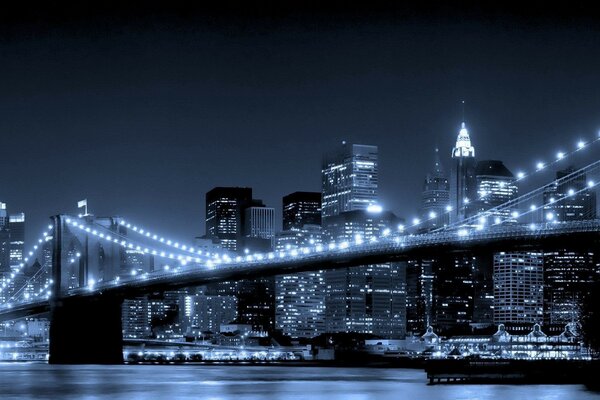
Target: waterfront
(221, 382)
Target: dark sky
(144, 110)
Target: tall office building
(496, 185)
(258, 227)
(569, 277)
(301, 208)
(569, 198)
(300, 297)
(420, 278)
(256, 297)
(365, 299)
(350, 179)
(224, 215)
(370, 298)
(4, 240)
(16, 225)
(463, 189)
(435, 198)
(136, 318)
(207, 313)
(3, 215)
(454, 291)
(518, 287)
(238, 223)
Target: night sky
(143, 111)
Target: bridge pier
(86, 331)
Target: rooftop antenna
(463, 111)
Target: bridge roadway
(573, 234)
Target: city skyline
(299, 199)
(169, 126)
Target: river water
(229, 382)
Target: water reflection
(42, 381)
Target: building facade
(301, 208)
(569, 198)
(370, 298)
(496, 186)
(224, 218)
(349, 179)
(518, 287)
(435, 198)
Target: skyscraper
(4, 240)
(16, 225)
(366, 299)
(569, 277)
(224, 218)
(453, 291)
(301, 208)
(518, 287)
(435, 198)
(495, 186)
(569, 198)
(419, 294)
(300, 297)
(258, 227)
(370, 298)
(3, 215)
(350, 179)
(463, 189)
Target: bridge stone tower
(84, 329)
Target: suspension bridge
(81, 281)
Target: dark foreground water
(42, 381)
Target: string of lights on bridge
(123, 241)
(44, 293)
(159, 238)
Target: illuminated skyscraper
(436, 197)
(224, 215)
(350, 179)
(463, 187)
(300, 297)
(16, 225)
(569, 198)
(569, 278)
(301, 208)
(369, 298)
(495, 186)
(258, 227)
(4, 240)
(518, 287)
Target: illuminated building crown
(463, 146)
